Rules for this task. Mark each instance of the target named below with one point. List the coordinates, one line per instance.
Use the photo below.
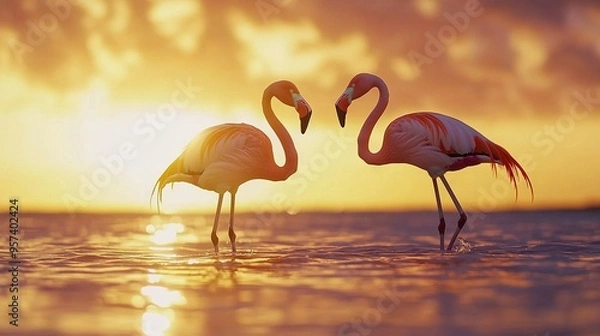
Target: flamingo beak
(303, 109)
(341, 115)
(304, 122)
(342, 104)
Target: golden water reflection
(391, 286)
(162, 296)
(153, 277)
(156, 323)
(164, 234)
(156, 298)
(157, 301)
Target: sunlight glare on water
(162, 297)
(155, 324)
(153, 277)
(165, 234)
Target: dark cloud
(533, 12)
(396, 30)
(573, 63)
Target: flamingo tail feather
(165, 178)
(501, 156)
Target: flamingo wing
(233, 147)
(220, 158)
(450, 140)
(450, 136)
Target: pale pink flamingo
(431, 141)
(223, 157)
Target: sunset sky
(121, 86)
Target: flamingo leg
(463, 217)
(231, 214)
(213, 234)
(442, 225)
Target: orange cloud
(299, 50)
(180, 21)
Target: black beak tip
(341, 116)
(304, 122)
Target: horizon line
(314, 211)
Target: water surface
(353, 274)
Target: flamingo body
(432, 141)
(221, 158)
(439, 143)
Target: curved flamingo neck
(367, 128)
(290, 166)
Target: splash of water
(462, 246)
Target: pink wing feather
(455, 138)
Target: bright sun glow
(162, 296)
(155, 324)
(165, 234)
(153, 277)
(157, 301)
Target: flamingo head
(289, 94)
(358, 86)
